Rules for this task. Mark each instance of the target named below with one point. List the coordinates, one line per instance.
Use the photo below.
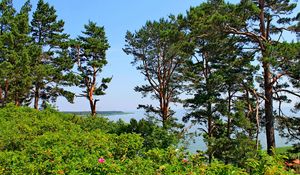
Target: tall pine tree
(52, 68)
(220, 78)
(159, 50)
(16, 54)
(89, 53)
(6, 19)
(262, 24)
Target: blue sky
(117, 16)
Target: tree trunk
(36, 97)
(269, 118)
(91, 100)
(229, 115)
(5, 92)
(17, 103)
(17, 100)
(210, 129)
(269, 108)
(165, 113)
(93, 107)
(257, 125)
(209, 108)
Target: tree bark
(256, 117)
(93, 107)
(210, 130)
(36, 97)
(269, 118)
(5, 92)
(165, 112)
(229, 115)
(17, 103)
(90, 98)
(17, 100)
(268, 86)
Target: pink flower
(184, 160)
(101, 160)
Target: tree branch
(288, 91)
(277, 77)
(259, 39)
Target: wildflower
(184, 160)
(296, 161)
(101, 160)
(288, 164)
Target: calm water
(198, 143)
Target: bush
(49, 142)
(154, 135)
(268, 165)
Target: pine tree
(89, 52)
(159, 49)
(220, 78)
(262, 24)
(7, 14)
(52, 68)
(16, 54)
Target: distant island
(102, 113)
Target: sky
(117, 17)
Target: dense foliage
(37, 58)
(51, 67)
(228, 64)
(50, 142)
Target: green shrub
(49, 142)
(217, 168)
(267, 165)
(155, 136)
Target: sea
(196, 143)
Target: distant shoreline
(102, 113)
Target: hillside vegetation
(50, 142)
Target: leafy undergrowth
(49, 142)
(283, 150)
